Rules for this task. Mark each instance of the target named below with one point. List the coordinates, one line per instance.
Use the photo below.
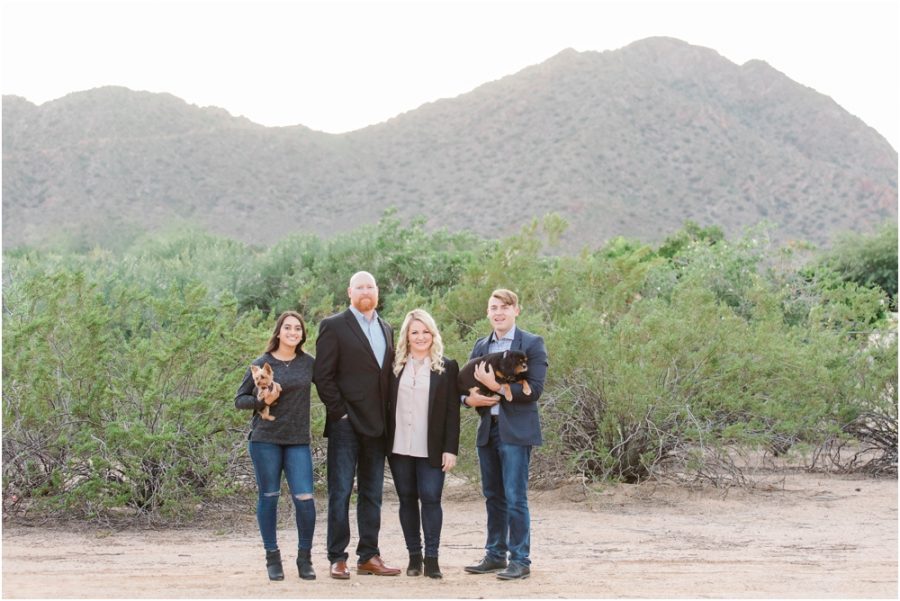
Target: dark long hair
(274, 341)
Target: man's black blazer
(347, 375)
(443, 413)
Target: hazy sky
(336, 66)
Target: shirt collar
(511, 335)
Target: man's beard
(365, 304)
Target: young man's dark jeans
(504, 481)
(416, 481)
(351, 455)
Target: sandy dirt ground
(801, 536)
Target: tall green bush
(120, 399)
(867, 259)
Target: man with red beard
(352, 374)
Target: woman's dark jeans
(416, 482)
(295, 461)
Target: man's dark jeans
(352, 455)
(417, 481)
(504, 482)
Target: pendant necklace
(416, 367)
(286, 364)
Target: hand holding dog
(484, 373)
(475, 398)
(269, 396)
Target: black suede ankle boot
(304, 565)
(415, 565)
(273, 565)
(432, 569)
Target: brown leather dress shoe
(340, 570)
(376, 566)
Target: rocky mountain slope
(628, 142)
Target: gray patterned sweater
(291, 412)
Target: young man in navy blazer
(506, 433)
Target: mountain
(627, 142)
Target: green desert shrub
(119, 398)
(867, 259)
(120, 367)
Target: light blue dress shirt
(374, 333)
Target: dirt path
(807, 536)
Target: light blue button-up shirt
(503, 344)
(374, 333)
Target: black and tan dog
(264, 380)
(508, 367)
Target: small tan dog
(265, 381)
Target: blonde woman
(423, 435)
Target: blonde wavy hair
(401, 352)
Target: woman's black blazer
(443, 413)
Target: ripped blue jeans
(295, 461)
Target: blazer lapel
(395, 389)
(433, 384)
(517, 341)
(354, 327)
(388, 343)
(482, 348)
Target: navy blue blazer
(518, 421)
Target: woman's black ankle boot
(432, 569)
(273, 565)
(304, 565)
(415, 565)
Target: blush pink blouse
(411, 434)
